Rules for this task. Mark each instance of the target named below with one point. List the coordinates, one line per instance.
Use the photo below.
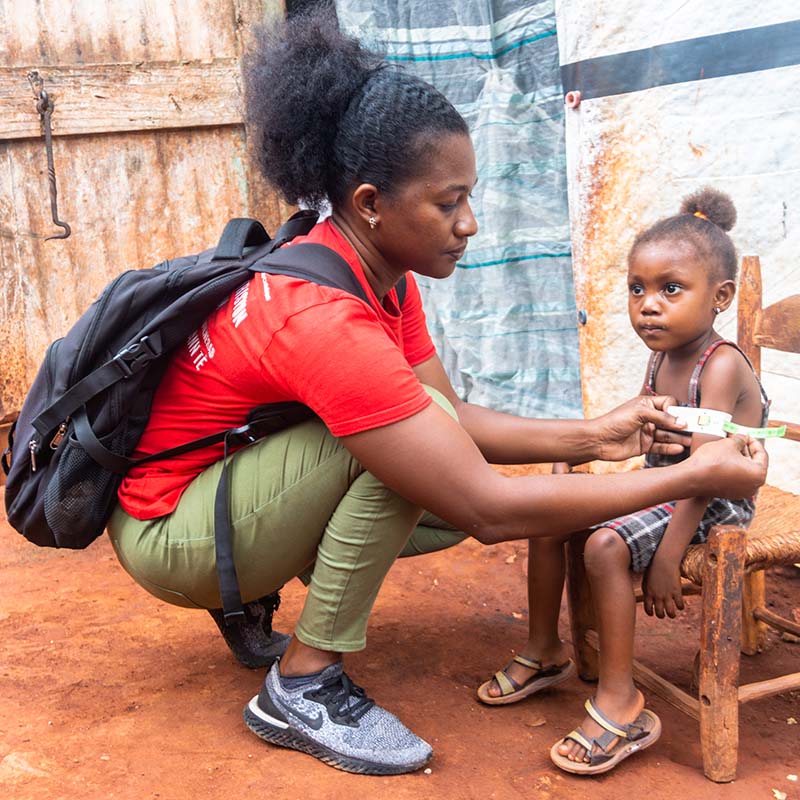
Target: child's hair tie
(702, 216)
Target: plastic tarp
(505, 323)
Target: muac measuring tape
(755, 433)
(718, 423)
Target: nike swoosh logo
(315, 723)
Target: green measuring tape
(756, 433)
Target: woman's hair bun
(713, 204)
(326, 113)
(299, 78)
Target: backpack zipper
(33, 444)
(59, 435)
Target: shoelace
(346, 703)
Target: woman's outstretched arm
(626, 431)
(432, 461)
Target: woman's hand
(661, 587)
(732, 468)
(639, 426)
(670, 442)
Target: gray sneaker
(333, 720)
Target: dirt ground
(105, 692)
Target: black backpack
(90, 401)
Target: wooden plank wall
(150, 153)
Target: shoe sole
(283, 735)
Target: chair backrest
(776, 327)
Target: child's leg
(545, 586)
(608, 562)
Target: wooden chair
(728, 571)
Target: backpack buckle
(132, 358)
(241, 436)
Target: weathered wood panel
(105, 98)
(146, 197)
(55, 32)
(133, 197)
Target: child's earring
(373, 223)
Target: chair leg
(720, 640)
(754, 632)
(581, 609)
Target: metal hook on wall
(45, 106)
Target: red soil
(108, 693)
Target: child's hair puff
(713, 204)
(703, 223)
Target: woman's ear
(724, 294)
(363, 201)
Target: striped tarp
(505, 323)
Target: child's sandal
(511, 691)
(603, 756)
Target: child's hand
(662, 587)
(732, 468)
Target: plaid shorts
(643, 531)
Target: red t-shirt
(275, 339)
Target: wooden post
(754, 631)
(581, 610)
(720, 641)
(749, 310)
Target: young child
(681, 275)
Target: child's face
(670, 296)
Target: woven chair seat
(773, 539)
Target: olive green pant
(300, 505)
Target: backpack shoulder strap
(124, 364)
(312, 262)
(238, 234)
(402, 287)
(243, 232)
(320, 264)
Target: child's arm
(662, 580)
(720, 389)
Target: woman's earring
(717, 309)
(373, 223)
